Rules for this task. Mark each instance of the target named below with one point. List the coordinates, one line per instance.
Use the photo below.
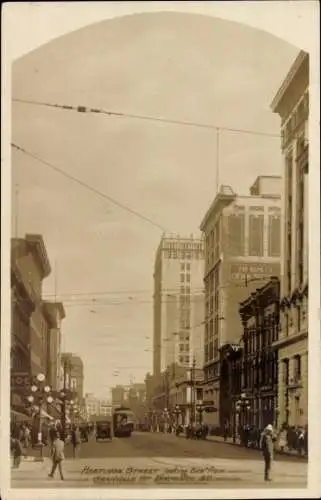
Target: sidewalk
(220, 439)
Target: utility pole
(217, 159)
(16, 221)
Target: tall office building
(178, 300)
(242, 251)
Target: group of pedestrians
(21, 440)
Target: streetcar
(123, 422)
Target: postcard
(160, 255)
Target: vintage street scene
(159, 257)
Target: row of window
(185, 266)
(185, 277)
(184, 347)
(183, 255)
(297, 370)
(261, 373)
(256, 338)
(184, 359)
(300, 182)
(236, 235)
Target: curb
(277, 452)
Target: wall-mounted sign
(20, 381)
(241, 272)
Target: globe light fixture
(40, 377)
(30, 399)
(34, 388)
(49, 399)
(47, 388)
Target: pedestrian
(282, 440)
(75, 440)
(226, 430)
(57, 455)
(17, 451)
(267, 447)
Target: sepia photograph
(159, 247)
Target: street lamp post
(242, 405)
(40, 395)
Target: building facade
(118, 395)
(91, 405)
(35, 324)
(291, 103)
(73, 375)
(260, 314)
(55, 313)
(242, 250)
(178, 300)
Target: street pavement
(158, 460)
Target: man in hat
(267, 447)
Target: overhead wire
(87, 186)
(137, 116)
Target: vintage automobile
(103, 429)
(84, 432)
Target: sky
(177, 66)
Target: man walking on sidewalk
(76, 440)
(57, 456)
(267, 447)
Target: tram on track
(123, 422)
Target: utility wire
(119, 292)
(85, 109)
(87, 186)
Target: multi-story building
(178, 302)
(105, 408)
(242, 249)
(73, 375)
(30, 266)
(92, 405)
(55, 313)
(36, 324)
(118, 395)
(260, 314)
(291, 103)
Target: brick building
(260, 319)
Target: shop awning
(16, 416)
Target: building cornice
(51, 309)
(38, 248)
(295, 68)
(220, 201)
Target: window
(188, 278)
(181, 347)
(297, 368)
(274, 235)
(256, 235)
(181, 359)
(235, 243)
(188, 266)
(186, 359)
(286, 372)
(182, 266)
